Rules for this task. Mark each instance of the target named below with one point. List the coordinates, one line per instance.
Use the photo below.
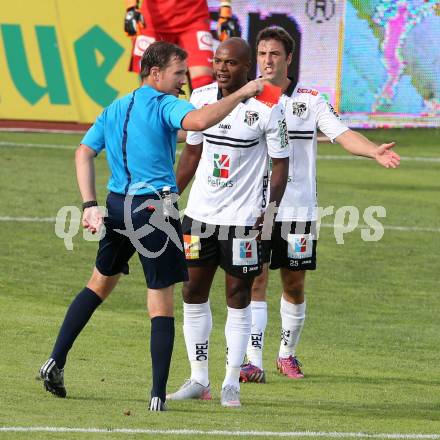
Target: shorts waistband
(154, 196)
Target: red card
(270, 95)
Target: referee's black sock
(161, 347)
(77, 316)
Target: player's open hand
(386, 157)
(92, 219)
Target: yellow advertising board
(62, 60)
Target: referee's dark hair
(159, 54)
(279, 34)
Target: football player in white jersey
(293, 245)
(224, 211)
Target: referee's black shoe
(156, 404)
(53, 378)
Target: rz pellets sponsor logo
(245, 250)
(202, 351)
(283, 133)
(222, 163)
(215, 182)
(220, 172)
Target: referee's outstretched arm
(207, 116)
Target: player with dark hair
(139, 134)
(294, 236)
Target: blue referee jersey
(139, 133)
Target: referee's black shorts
(159, 244)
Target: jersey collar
(220, 95)
(291, 88)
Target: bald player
(224, 211)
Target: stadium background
(376, 61)
(370, 345)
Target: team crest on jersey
(250, 117)
(299, 108)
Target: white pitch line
(50, 146)
(321, 157)
(28, 219)
(41, 130)
(195, 432)
(387, 228)
(323, 225)
(31, 145)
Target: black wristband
(89, 204)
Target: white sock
(292, 322)
(237, 332)
(197, 325)
(256, 341)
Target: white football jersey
(305, 110)
(229, 186)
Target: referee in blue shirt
(139, 133)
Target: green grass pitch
(370, 346)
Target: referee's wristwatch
(89, 204)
